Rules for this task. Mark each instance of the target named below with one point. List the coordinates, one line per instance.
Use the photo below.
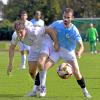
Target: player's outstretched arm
(53, 35)
(80, 50)
(11, 55)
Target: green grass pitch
(15, 86)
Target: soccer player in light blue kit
(68, 36)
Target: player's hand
(97, 39)
(9, 69)
(78, 54)
(56, 46)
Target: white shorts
(23, 46)
(63, 54)
(34, 54)
(47, 48)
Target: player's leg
(23, 59)
(49, 64)
(37, 82)
(53, 58)
(70, 57)
(25, 52)
(94, 47)
(42, 73)
(91, 47)
(79, 78)
(23, 55)
(45, 63)
(44, 54)
(33, 70)
(42, 59)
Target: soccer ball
(65, 71)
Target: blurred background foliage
(51, 9)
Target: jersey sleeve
(39, 30)
(53, 25)
(28, 24)
(77, 35)
(14, 39)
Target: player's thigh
(42, 59)
(49, 64)
(22, 52)
(27, 51)
(76, 70)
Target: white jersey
(40, 23)
(34, 37)
(23, 46)
(28, 23)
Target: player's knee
(77, 75)
(40, 65)
(48, 65)
(32, 75)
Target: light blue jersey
(67, 37)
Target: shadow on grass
(97, 78)
(10, 95)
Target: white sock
(24, 59)
(84, 90)
(43, 77)
(34, 88)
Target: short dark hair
(67, 10)
(37, 12)
(22, 12)
(19, 24)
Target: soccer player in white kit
(23, 47)
(68, 36)
(46, 50)
(32, 36)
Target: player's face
(67, 18)
(38, 15)
(21, 34)
(24, 17)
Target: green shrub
(6, 30)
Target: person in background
(37, 21)
(24, 49)
(93, 37)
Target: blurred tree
(52, 8)
(14, 6)
(52, 11)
